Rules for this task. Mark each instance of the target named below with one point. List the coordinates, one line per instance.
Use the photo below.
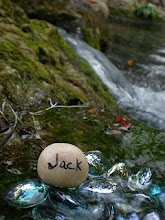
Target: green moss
(96, 31)
(92, 37)
(147, 11)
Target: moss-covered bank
(36, 63)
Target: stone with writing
(62, 164)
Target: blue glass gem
(120, 218)
(155, 190)
(26, 194)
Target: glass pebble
(66, 197)
(152, 216)
(48, 212)
(119, 169)
(120, 218)
(92, 212)
(141, 180)
(155, 190)
(97, 189)
(140, 202)
(133, 216)
(161, 197)
(97, 163)
(26, 194)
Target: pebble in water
(26, 194)
(97, 163)
(63, 165)
(141, 180)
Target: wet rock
(122, 6)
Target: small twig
(14, 113)
(57, 106)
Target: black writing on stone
(78, 165)
(65, 165)
(50, 167)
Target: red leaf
(123, 122)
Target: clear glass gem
(59, 196)
(141, 180)
(97, 190)
(119, 169)
(98, 164)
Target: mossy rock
(37, 64)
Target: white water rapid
(144, 103)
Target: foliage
(146, 11)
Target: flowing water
(140, 87)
